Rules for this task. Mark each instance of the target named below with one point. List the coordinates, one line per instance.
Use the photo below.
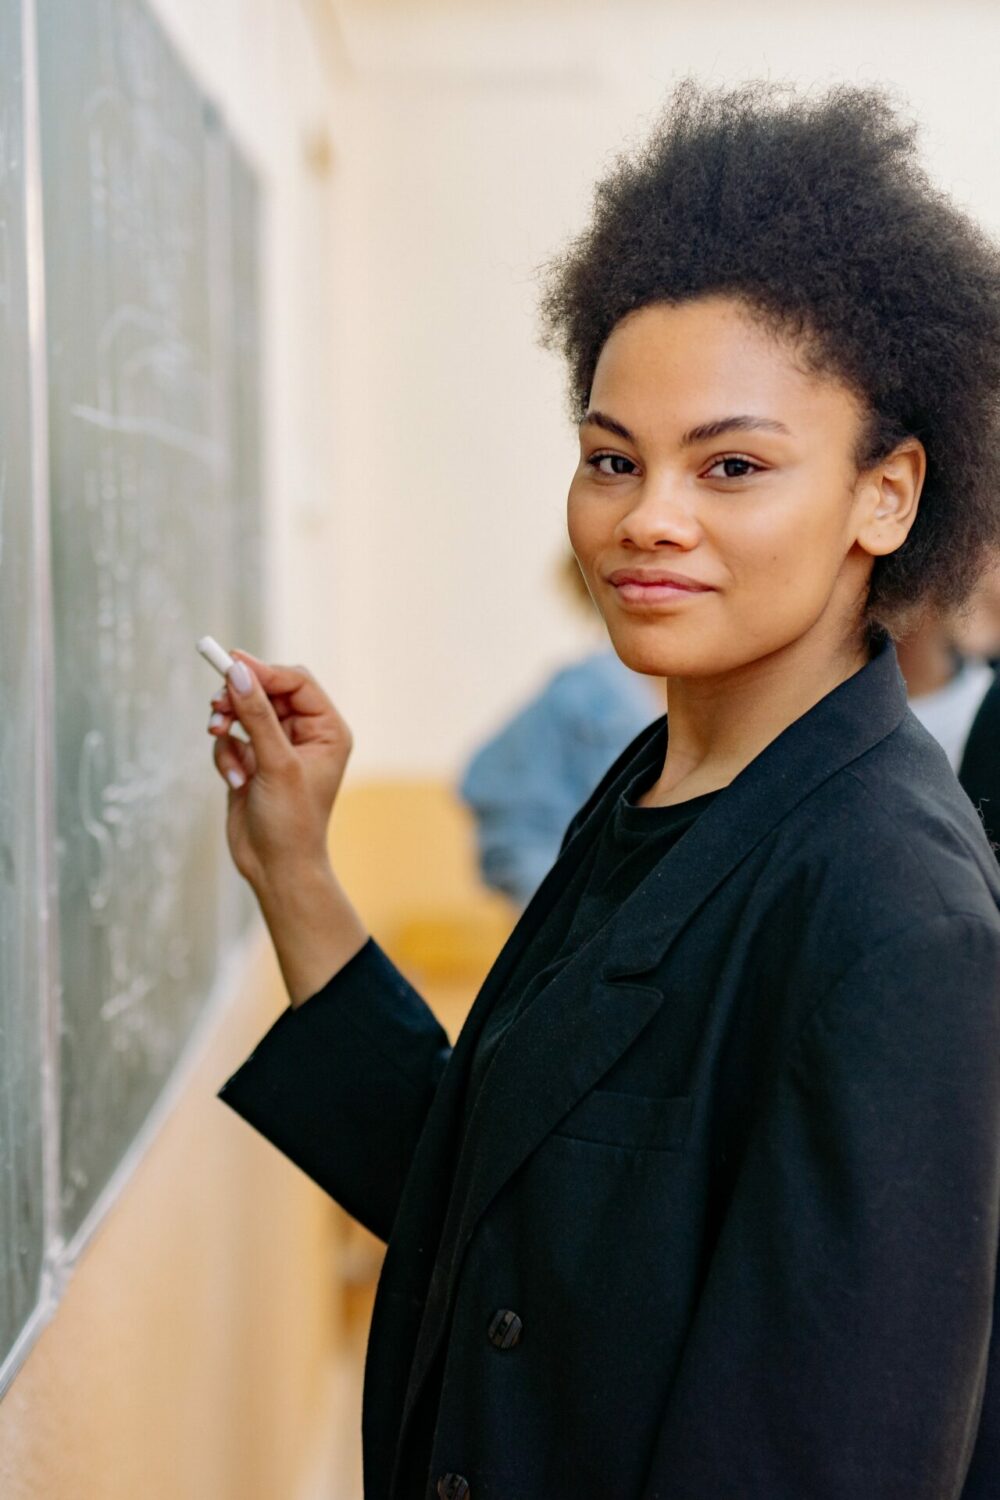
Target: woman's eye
(615, 460)
(736, 467)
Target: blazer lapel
(586, 1025)
(836, 731)
(569, 1036)
(647, 747)
(428, 1191)
(578, 1026)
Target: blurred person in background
(956, 696)
(704, 1201)
(526, 781)
(977, 624)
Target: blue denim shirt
(526, 782)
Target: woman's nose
(661, 515)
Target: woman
(703, 1204)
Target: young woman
(703, 1204)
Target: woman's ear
(887, 498)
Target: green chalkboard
(130, 525)
(144, 306)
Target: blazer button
(505, 1329)
(453, 1487)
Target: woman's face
(706, 452)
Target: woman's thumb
(256, 713)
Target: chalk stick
(213, 653)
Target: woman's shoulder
(886, 854)
(894, 831)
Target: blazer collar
(837, 730)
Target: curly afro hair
(817, 215)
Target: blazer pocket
(638, 1121)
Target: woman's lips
(651, 593)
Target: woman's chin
(659, 652)
(658, 663)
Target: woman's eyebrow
(699, 434)
(601, 419)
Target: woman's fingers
(234, 760)
(223, 704)
(308, 716)
(295, 687)
(274, 678)
(222, 723)
(255, 712)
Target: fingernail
(216, 721)
(239, 676)
(236, 779)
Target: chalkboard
(21, 936)
(245, 387)
(148, 537)
(140, 306)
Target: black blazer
(736, 1169)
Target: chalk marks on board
(100, 880)
(151, 286)
(11, 187)
(4, 469)
(129, 836)
(11, 210)
(140, 312)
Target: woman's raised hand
(284, 782)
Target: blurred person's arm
(526, 782)
(522, 801)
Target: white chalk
(213, 652)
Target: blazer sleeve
(342, 1084)
(839, 1345)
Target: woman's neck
(719, 724)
